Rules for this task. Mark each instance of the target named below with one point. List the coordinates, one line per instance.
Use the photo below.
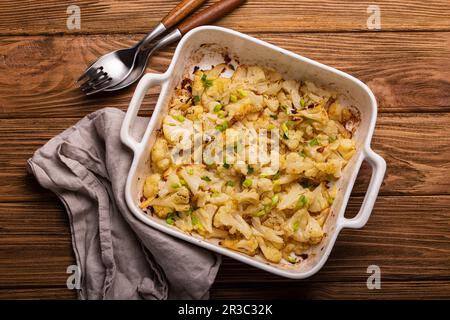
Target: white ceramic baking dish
(191, 52)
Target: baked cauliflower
(276, 207)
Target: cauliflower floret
(316, 114)
(202, 219)
(272, 104)
(293, 139)
(160, 155)
(319, 199)
(292, 87)
(171, 184)
(266, 232)
(162, 212)
(179, 201)
(179, 133)
(192, 176)
(247, 196)
(227, 216)
(264, 185)
(346, 148)
(219, 198)
(296, 164)
(269, 251)
(289, 200)
(304, 228)
(151, 186)
(247, 246)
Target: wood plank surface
(406, 64)
(406, 71)
(411, 290)
(417, 162)
(406, 238)
(138, 16)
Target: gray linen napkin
(119, 257)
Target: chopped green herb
(313, 142)
(275, 200)
(190, 171)
(290, 123)
(330, 200)
(292, 259)
(183, 182)
(247, 183)
(217, 108)
(274, 116)
(221, 114)
(250, 170)
(174, 185)
(206, 83)
(296, 226)
(229, 183)
(196, 222)
(226, 166)
(180, 118)
(277, 175)
(233, 98)
(332, 139)
(196, 99)
(285, 129)
(242, 93)
(271, 126)
(302, 154)
(302, 102)
(222, 127)
(260, 213)
(302, 201)
(206, 178)
(170, 218)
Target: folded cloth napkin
(119, 257)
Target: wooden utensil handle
(181, 11)
(210, 14)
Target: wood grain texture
(180, 11)
(406, 71)
(408, 240)
(410, 290)
(417, 162)
(112, 16)
(406, 64)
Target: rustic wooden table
(406, 63)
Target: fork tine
(93, 81)
(96, 89)
(99, 85)
(89, 72)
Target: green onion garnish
(247, 183)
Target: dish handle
(378, 170)
(147, 81)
